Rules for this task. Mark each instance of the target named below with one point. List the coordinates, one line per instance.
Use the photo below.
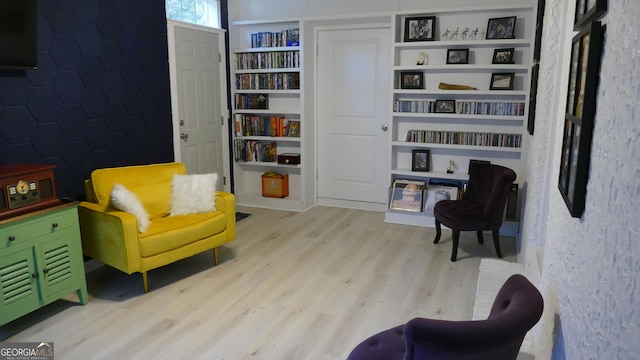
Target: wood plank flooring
(292, 285)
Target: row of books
(418, 196)
(289, 37)
(267, 60)
(262, 151)
(462, 107)
(252, 101)
(464, 138)
(255, 125)
(270, 81)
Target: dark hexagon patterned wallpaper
(100, 96)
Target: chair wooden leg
(455, 239)
(480, 237)
(496, 241)
(145, 284)
(438, 232)
(215, 256)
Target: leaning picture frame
(420, 28)
(420, 160)
(406, 195)
(411, 80)
(584, 73)
(502, 81)
(503, 56)
(457, 56)
(501, 28)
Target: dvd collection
(269, 81)
(252, 101)
(268, 125)
(462, 107)
(261, 151)
(289, 37)
(464, 138)
(267, 60)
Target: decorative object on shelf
(503, 56)
(502, 81)
(445, 106)
(411, 80)
(420, 160)
(457, 56)
(501, 28)
(445, 86)
(587, 11)
(275, 184)
(289, 159)
(465, 33)
(423, 58)
(420, 28)
(533, 93)
(452, 167)
(581, 106)
(445, 35)
(407, 195)
(474, 34)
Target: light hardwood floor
(292, 285)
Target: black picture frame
(419, 28)
(502, 81)
(457, 56)
(586, 52)
(420, 160)
(537, 46)
(588, 10)
(501, 28)
(533, 93)
(445, 106)
(411, 80)
(503, 56)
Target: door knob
(184, 136)
(181, 122)
(385, 127)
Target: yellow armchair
(111, 236)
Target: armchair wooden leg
(455, 239)
(215, 256)
(496, 241)
(145, 284)
(480, 237)
(438, 232)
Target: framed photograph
(503, 56)
(411, 80)
(502, 81)
(588, 10)
(502, 28)
(586, 50)
(457, 56)
(445, 106)
(406, 195)
(420, 160)
(420, 28)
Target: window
(202, 12)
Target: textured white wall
(591, 266)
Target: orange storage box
(275, 185)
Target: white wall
(590, 266)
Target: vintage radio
(26, 187)
(275, 185)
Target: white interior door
(199, 112)
(352, 114)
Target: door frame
(321, 28)
(173, 78)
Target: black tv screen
(18, 34)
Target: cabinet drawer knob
(55, 225)
(45, 271)
(12, 238)
(34, 275)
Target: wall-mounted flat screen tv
(18, 34)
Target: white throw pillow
(125, 200)
(193, 194)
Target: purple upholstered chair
(481, 206)
(516, 309)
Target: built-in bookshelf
(267, 114)
(482, 119)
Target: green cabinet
(40, 260)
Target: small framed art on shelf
(411, 80)
(420, 28)
(457, 56)
(501, 28)
(502, 81)
(445, 106)
(420, 160)
(503, 56)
